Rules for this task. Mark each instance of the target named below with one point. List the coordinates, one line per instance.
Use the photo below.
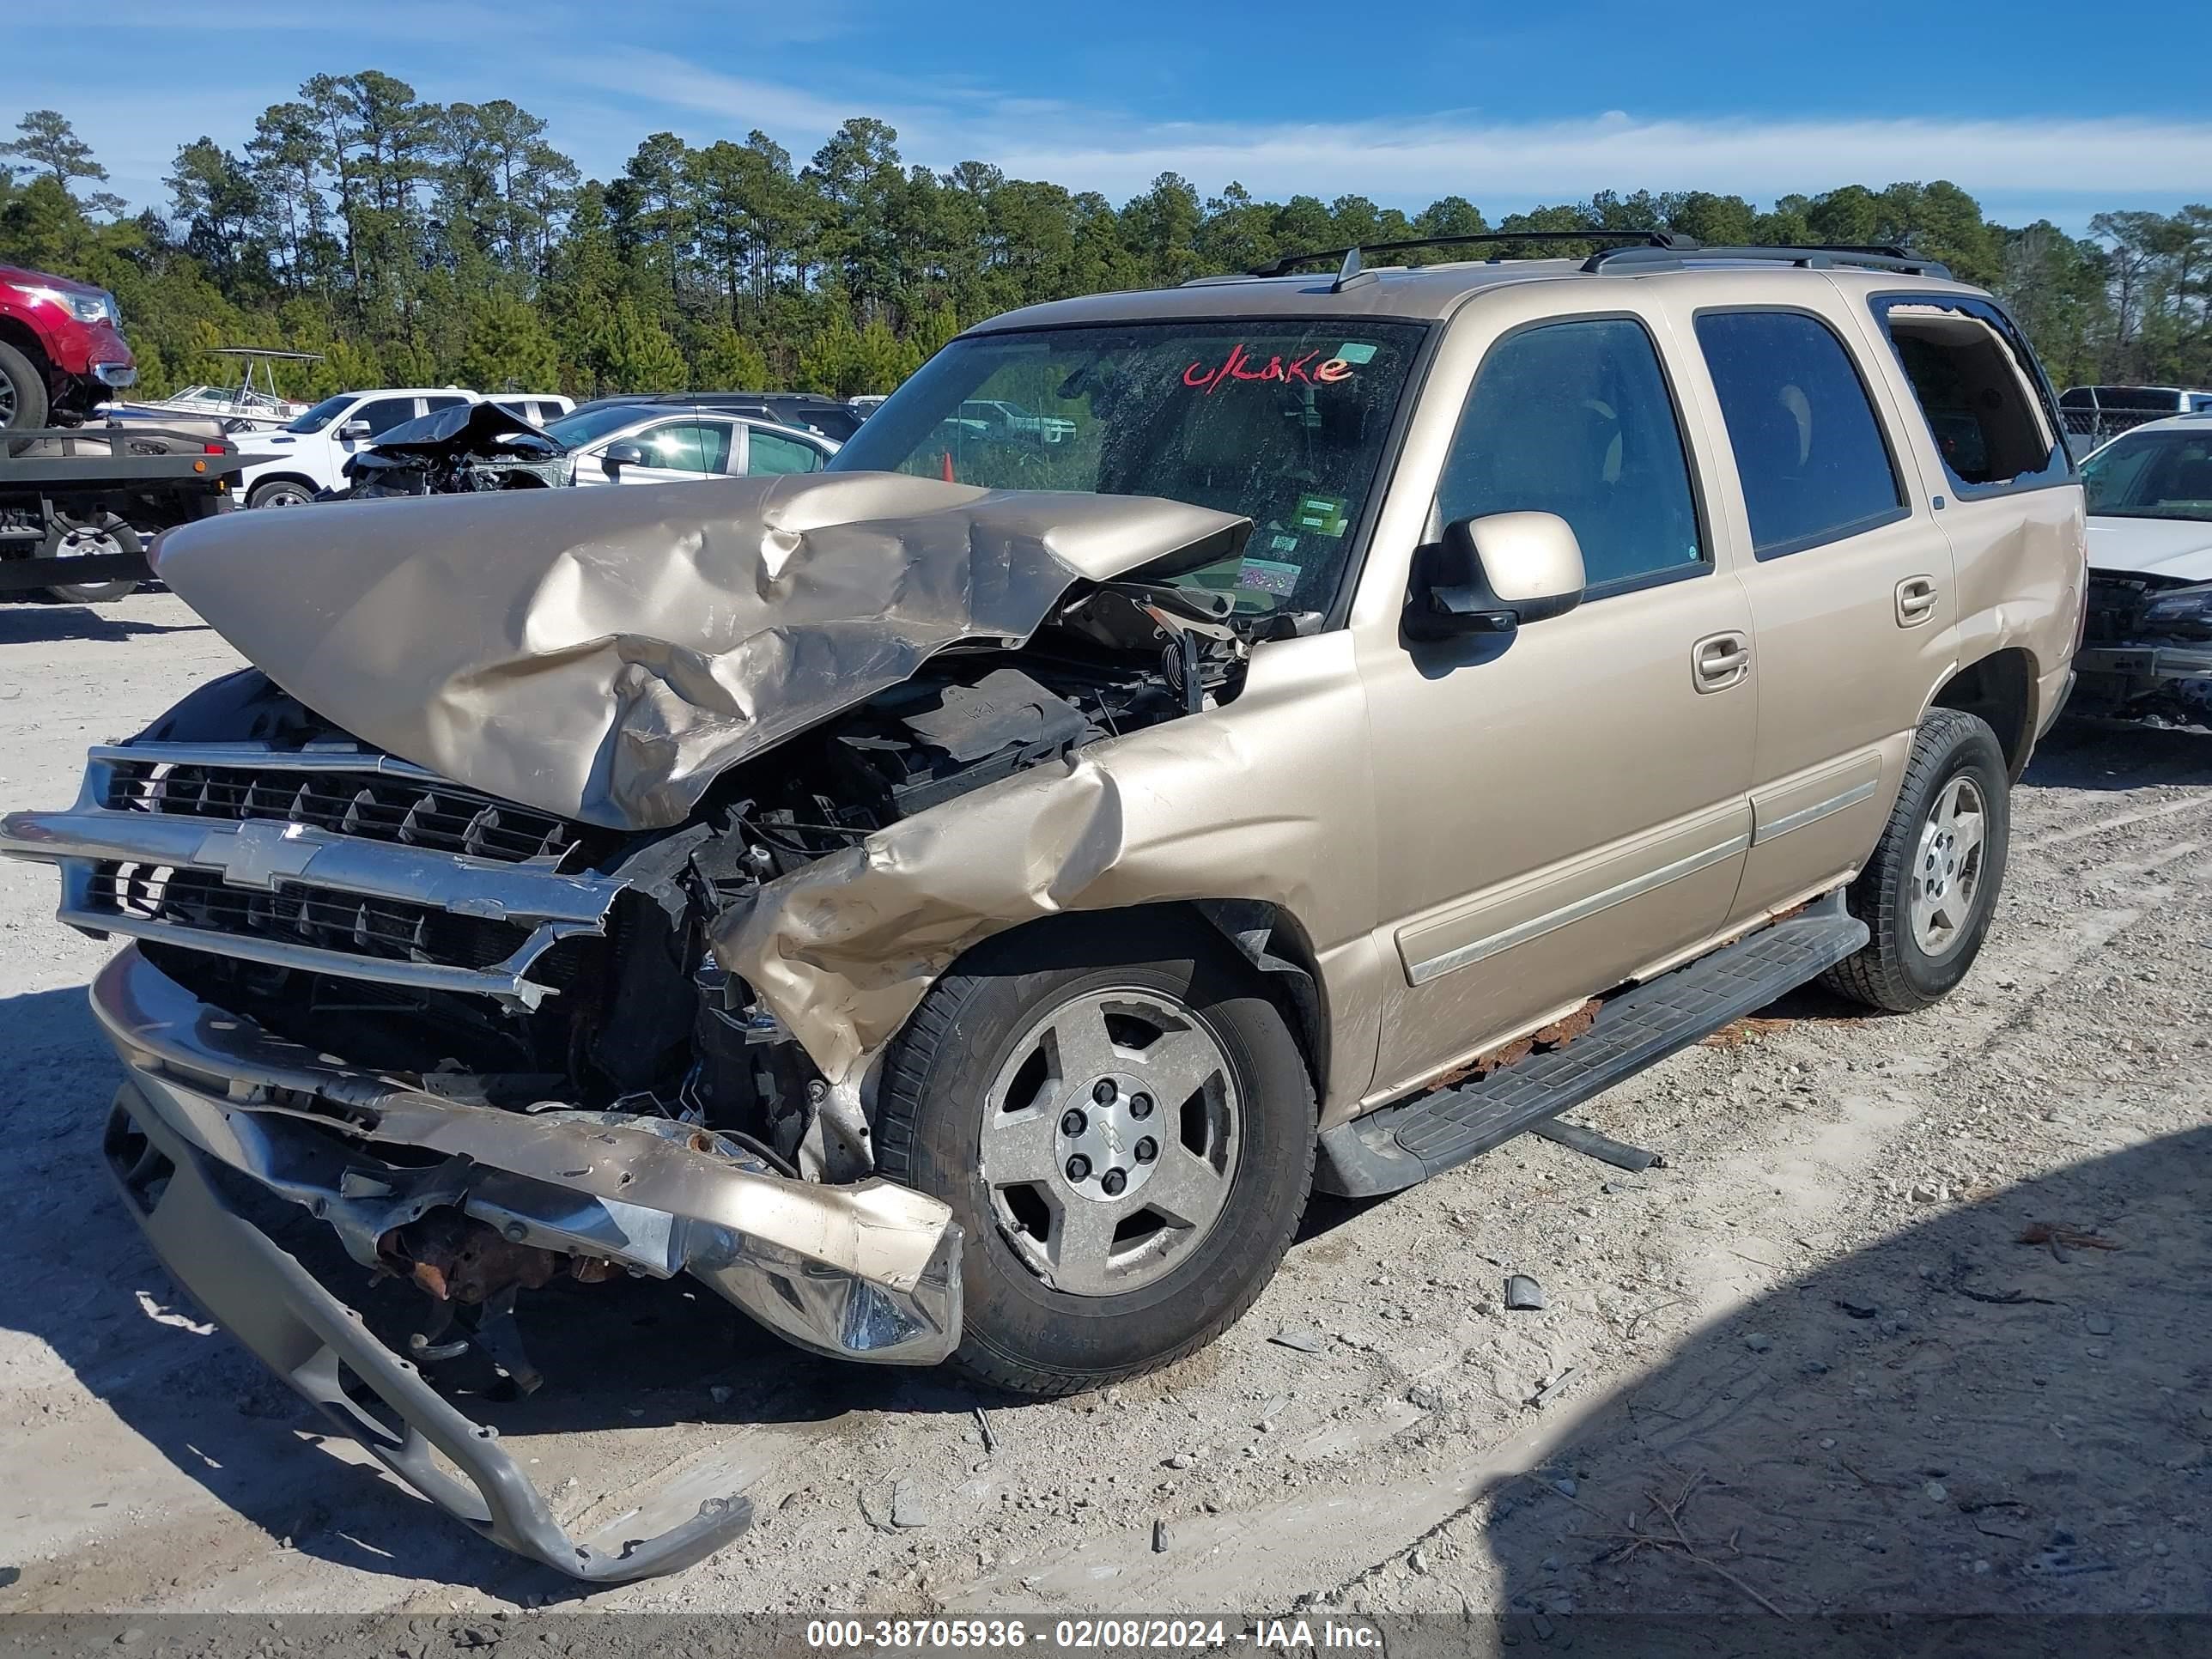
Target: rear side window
(1575, 418)
(382, 414)
(1979, 387)
(765, 451)
(1808, 447)
(2163, 399)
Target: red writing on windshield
(1242, 365)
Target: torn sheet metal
(603, 653)
(843, 951)
(454, 451)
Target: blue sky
(2039, 109)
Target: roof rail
(1815, 255)
(1647, 238)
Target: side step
(1392, 1148)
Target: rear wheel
(1927, 894)
(102, 537)
(1122, 1123)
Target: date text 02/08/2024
(1090, 1634)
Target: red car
(62, 351)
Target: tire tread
(900, 1109)
(1874, 976)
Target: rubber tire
(1891, 972)
(1018, 1334)
(127, 540)
(261, 492)
(31, 401)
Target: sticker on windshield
(1283, 545)
(1355, 351)
(1307, 368)
(1268, 575)
(1322, 514)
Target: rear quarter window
(1809, 449)
(1987, 407)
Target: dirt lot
(1806, 1366)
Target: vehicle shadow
(50, 624)
(2103, 754)
(621, 1359)
(2004, 1410)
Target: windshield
(322, 414)
(590, 425)
(2152, 475)
(1282, 422)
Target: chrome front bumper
(869, 1271)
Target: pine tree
(633, 353)
(509, 348)
(727, 361)
(829, 361)
(881, 360)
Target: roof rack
(1641, 248)
(1649, 239)
(1881, 257)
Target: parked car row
(307, 456)
(466, 449)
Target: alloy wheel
(1947, 868)
(1110, 1137)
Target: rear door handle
(1916, 600)
(1720, 661)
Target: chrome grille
(376, 805)
(317, 918)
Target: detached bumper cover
(869, 1271)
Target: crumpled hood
(603, 654)
(2179, 548)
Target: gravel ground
(1806, 1366)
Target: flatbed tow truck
(79, 506)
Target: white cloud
(1413, 163)
(604, 80)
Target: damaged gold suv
(1190, 747)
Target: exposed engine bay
(466, 449)
(644, 1020)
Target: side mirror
(1491, 574)
(355, 430)
(615, 457)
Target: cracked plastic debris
(605, 654)
(455, 451)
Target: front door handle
(1720, 661)
(1916, 600)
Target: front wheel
(280, 492)
(1927, 894)
(1122, 1123)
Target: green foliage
(727, 361)
(633, 353)
(416, 242)
(509, 346)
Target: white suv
(307, 455)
